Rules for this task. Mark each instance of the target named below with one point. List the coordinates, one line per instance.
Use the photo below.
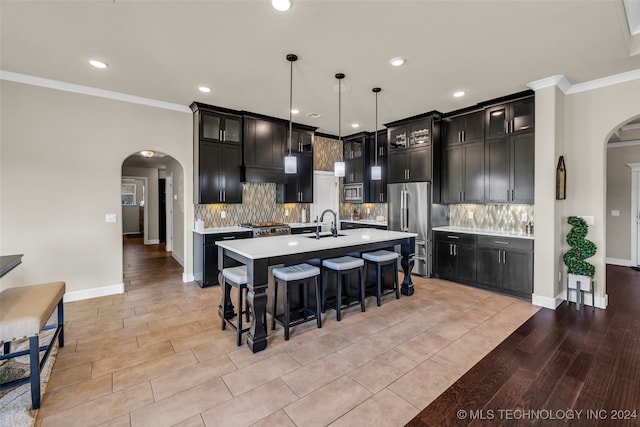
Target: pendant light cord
(376, 128)
(290, 103)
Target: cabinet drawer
(454, 237)
(210, 239)
(506, 243)
(303, 230)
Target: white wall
(180, 227)
(60, 167)
(152, 200)
(590, 118)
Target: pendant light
(339, 167)
(290, 162)
(376, 171)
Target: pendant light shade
(290, 162)
(339, 167)
(376, 171)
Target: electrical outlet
(223, 214)
(615, 213)
(110, 217)
(523, 218)
(286, 212)
(368, 211)
(470, 214)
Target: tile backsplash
(258, 205)
(493, 217)
(375, 210)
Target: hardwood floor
(558, 364)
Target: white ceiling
(164, 50)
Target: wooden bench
(24, 312)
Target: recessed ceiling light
(281, 5)
(355, 125)
(459, 94)
(204, 89)
(294, 111)
(397, 61)
(98, 64)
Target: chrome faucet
(334, 224)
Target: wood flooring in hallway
(156, 356)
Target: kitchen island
(259, 254)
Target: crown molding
(91, 91)
(559, 80)
(567, 88)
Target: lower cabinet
(303, 230)
(347, 225)
(455, 256)
(501, 263)
(506, 264)
(205, 255)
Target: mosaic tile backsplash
(258, 205)
(492, 217)
(375, 210)
(326, 152)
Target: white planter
(577, 281)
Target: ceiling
(164, 50)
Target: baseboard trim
(601, 301)
(618, 261)
(177, 258)
(547, 302)
(94, 292)
(186, 278)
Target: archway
(623, 195)
(159, 219)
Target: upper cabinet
(510, 118)
(217, 152)
(463, 128)
(509, 162)
(298, 187)
(414, 151)
(264, 149)
(301, 139)
(220, 127)
(377, 154)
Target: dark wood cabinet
(217, 155)
(377, 191)
(301, 140)
(220, 127)
(455, 256)
(264, 149)
(506, 264)
(510, 118)
(298, 187)
(463, 173)
(463, 128)
(219, 173)
(510, 168)
(348, 225)
(414, 151)
(205, 255)
(303, 230)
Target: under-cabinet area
(494, 261)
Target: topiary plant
(581, 248)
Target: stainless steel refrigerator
(411, 209)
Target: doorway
(326, 194)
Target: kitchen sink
(323, 235)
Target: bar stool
(236, 277)
(381, 259)
(342, 266)
(300, 275)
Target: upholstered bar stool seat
(237, 278)
(381, 259)
(300, 275)
(342, 267)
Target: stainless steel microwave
(352, 193)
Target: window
(128, 193)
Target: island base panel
(407, 283)
(257, 335)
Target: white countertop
(220, 230)
(365, 221)
(265, 247)
(487, 232)
(306, 224)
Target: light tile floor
(156, 356)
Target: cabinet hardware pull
(450, 249)
(453, 237)
(229, 237)
(459, 196)
(504, 257)
(499, 257)
(220, 195)
(464, 136)
(501, 242)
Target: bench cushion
(25, 310)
